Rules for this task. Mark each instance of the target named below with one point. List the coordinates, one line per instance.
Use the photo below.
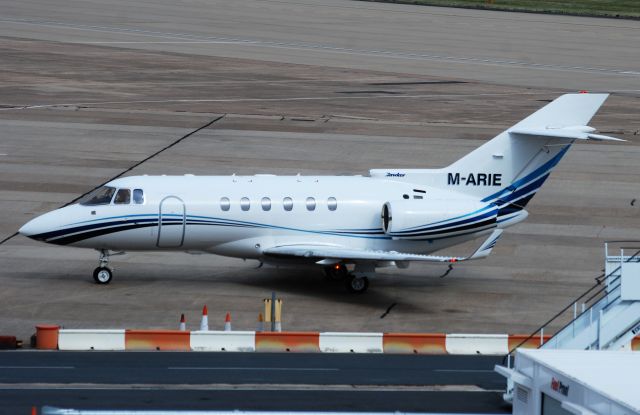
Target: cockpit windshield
(100, 196)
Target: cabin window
(266, 204)
(245, 203)
(225, 203)
(123, 197)
(287, 203)
(138, 196)
(100, 196)
(311, 204)
(332, 203)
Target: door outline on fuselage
(168, 244)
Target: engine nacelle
(420, 219)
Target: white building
(551, 382)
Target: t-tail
(509, 169)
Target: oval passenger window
(245, 203)
(332, 203)
(287, 203)
(266, 203)
(311, 204)
(225, 204)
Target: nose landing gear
(103, 274)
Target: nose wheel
(102, 275)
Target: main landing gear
(356, 281)
(103, 274)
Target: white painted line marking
(246, 386)
(37, 367)
(328, 98)
(493, 61)
(294, 369)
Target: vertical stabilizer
(511, 167)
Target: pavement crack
(388, 310)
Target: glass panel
(332, 203)
(225, 203)
(552, 406)
(311, 203)
(245, 203)
(138, 196)
(123, 197)
(100, 196)
(266, 203)
(287, 202)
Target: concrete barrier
(495, 344)
(157, 340)
(69, 339)
(250, 341)
(351, 342)
(287, 342)
(414, 343)
(223, 341)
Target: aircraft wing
(327, 254)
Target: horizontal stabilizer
(569, 133)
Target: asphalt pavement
(255, 381)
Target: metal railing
(597, 299)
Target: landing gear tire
(357, 285)
(336, 272)
(102, 275)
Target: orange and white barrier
(91, 340)
(351, 342)
(223, 341)
(477, 343)
(331, 342)
(273, 341)
(157, 340)
(415, 343)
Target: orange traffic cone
(183, 324)
(227, 322)
(204, 324)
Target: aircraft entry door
(171, 223)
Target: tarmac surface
(249, 381)
(89, 88)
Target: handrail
(545, 324)
(599, 279)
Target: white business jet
(348, 225)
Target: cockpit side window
(100, 196)
(123, 197)
(138, 196)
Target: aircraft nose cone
(31, 228)
(37, 227)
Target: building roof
(613, 374)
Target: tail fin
(511, 167)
